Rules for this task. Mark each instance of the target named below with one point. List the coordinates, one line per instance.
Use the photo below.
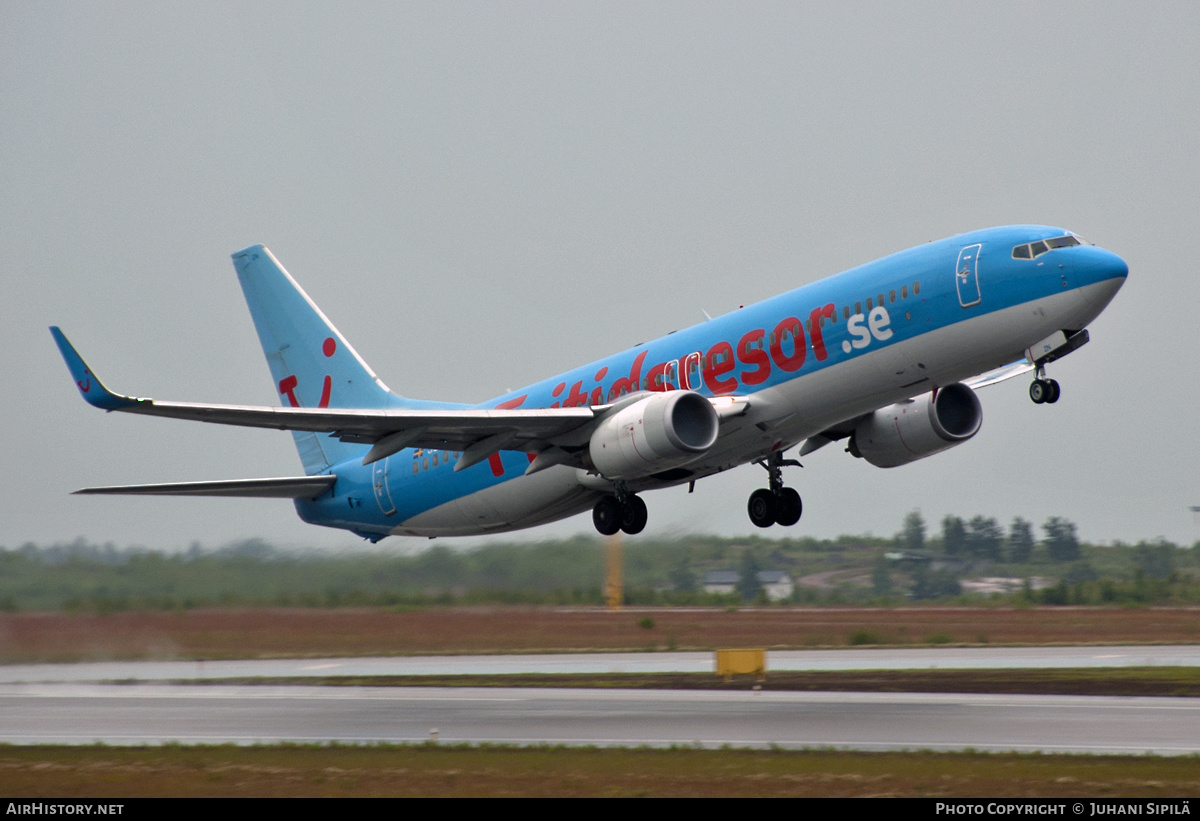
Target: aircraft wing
(476, 432)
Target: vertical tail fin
(312, 364)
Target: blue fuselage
(875, 334)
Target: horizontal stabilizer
(284, 487)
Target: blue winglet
(92, 389)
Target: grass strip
(32, 637)
(492, 771)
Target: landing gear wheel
(788, 507)
(606, 516)
(633, 515)
(1044, 390)
(762, 507)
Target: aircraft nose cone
(1101, 274)
(1099, 265)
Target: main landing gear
(776, 504)
(625, 511)
(1043, 390)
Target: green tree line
(915, 564)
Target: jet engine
(912, 430)
(660, 431)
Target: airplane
(886, 356)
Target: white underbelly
(525, 501)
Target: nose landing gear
(1043, 390)
(776, 504)
(1050, 349)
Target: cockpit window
(1036, 249)
(1062, 242)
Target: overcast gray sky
(480, 195)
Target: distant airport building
(776, 584)
(722, 581)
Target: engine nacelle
(661, 431)
(908, 431)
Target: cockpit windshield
(1063, 242)
(1032, 250)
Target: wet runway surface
(210, 714)
(875, 659)
(134, 703)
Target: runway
(211, 714)
(82, 704)
(849, 659)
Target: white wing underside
(1001, 374)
